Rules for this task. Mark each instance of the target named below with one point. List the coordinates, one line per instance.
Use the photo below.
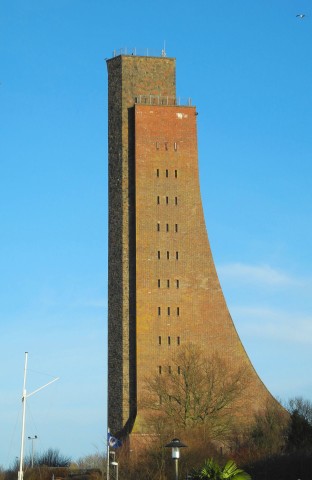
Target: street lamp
(32, 449)
(114, 464)
(175, 445)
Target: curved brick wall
(164, 291)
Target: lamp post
(175, 445)
(32, 449)
(114, 464)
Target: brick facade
(164, 291)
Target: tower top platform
(139, 52)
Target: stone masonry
(164, 291)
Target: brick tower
(164, 291)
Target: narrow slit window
(158, 283)
(159, 369)
(159, 311)
(158, 227)
(176, 173)
(169, 371)
(169, 340)
(176, 228)
(159, 340)
(178, 311)
(167, 173)
(168, 310)
(158, 200)
(168, 283)
(157, 172)
(157, 145)
(158, 254)
(167, 227)
(178, 340)
(167, 200)
(178, 283)
(177, 255)
(168, 255)
(176, 200)
(179, 370)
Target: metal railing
(162, 100)
(144, 52)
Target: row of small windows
(169, 310)
(176, 283)
(169, 369)
(166, 145)
(167, 200)
(168, 255)
(169, 340)
(167, 227)
(167, 173)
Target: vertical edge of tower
(115, 249)
(128, 77)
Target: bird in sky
(300, 15)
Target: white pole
(107, 466)
(24, 396)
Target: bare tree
(52, 458)
(299, 435)
(196, 391)
(95, 460)
(267, 435)
(302, 406)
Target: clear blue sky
(248, 67)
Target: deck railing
(143, 52)
(162, 100)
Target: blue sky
(247, 65)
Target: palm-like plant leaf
(209, 471)
(232, 472)
(212, 471)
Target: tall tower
(164, 291)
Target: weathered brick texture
(128, 76)
(163, 287)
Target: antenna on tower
(163, 52)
